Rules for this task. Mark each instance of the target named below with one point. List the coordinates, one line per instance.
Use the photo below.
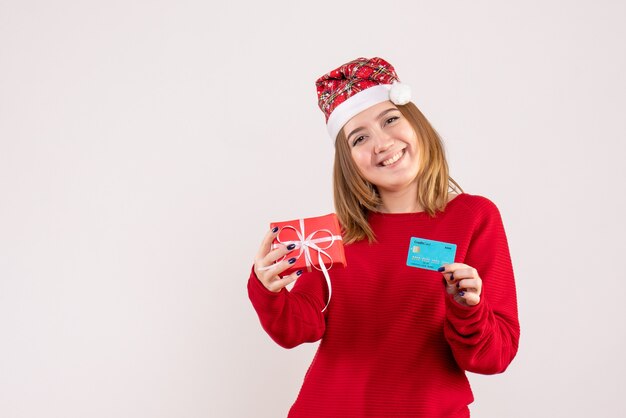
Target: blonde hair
(355, 197)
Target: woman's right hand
(269, 272)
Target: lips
(395, 157)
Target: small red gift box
(318, 245)
(317, 239)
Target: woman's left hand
(463, 282)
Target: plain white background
(146, 145)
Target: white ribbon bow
(308, 243)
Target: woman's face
(384, 147)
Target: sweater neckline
(423, 214)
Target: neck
(402, 201)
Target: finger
(448, 271)
(465, 273)
(465, 279)
(452, 267)
(450, 289)
(277, 254)
(278, 285)
(459, 270)
(449, 280)
(449, 283)
(467, 284)
(266, 243)
(272, 271)
(470, 298)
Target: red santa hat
(355, 86)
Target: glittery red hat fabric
(351, 78)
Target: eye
(391, 120)
(358, 140)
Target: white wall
(145, 146)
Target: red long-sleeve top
(393, 342)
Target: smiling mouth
(393, 158)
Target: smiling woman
(400, 332)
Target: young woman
(396, 339)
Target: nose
(383, 142)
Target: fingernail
(292, 260)
(291, 247)
(440, 269)
(299, 272)
(458, 285)
(461, 293)
(274, 230)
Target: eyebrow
(380, 115)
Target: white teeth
(393, 159)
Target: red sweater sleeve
(291, 317)
(484, 338)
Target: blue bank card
(430, 255)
